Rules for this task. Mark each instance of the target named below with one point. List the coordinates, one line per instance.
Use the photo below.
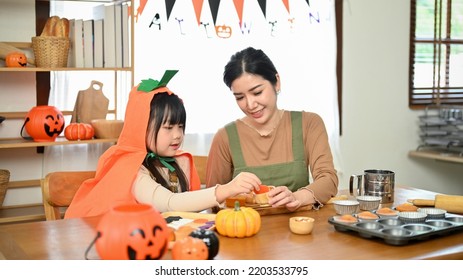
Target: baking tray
(397, 232)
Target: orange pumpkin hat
(119, 165)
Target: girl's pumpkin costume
(118, 166)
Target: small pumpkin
(79, 131)
(238, 221)
(210, 239)
(16, 59)
(190, 248)
(132, 232)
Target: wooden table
(68, 239)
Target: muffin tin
(394, 231)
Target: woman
(147, 166)
(278, 147)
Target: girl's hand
(282, 196)
(244, 182)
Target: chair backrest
(201, 164)
(58, 189)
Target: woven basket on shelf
(50, 51)
(4, 179)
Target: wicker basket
(4, 179)
(50, 51)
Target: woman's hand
(282, 196)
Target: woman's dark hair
(250, 61)
(165, 108)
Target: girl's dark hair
(250, 61)
(165, 108)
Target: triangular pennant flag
(214, 6)
(263, 7)
(198, 5)
(169, 6)
(239, 9)
(286, 2)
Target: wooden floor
(22, 214)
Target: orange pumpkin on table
(132, 232)
(79, 131)
(190, 248)
(16, 59)
(238, 222)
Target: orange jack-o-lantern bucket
(44, 123)
(132, 232)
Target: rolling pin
(450, 203)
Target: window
(436, 53)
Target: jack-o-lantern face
(223, 31)
(53, 125)
(44, 123)
(132, 232)
(190, 248)
(141, 245)
(16, 59)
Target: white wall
(378, 127)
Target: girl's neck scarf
(164, 160)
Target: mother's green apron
(292, 174)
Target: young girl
(147, 166)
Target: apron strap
(235, 145)
(298, 139)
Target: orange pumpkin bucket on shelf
(132, 232)
(43, 123)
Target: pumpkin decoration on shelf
(238, 221)
(44, 123)
(16, 59)
(79, 131)
(190, 248)
(132, 232)
(209, 238)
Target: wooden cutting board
(91, 104)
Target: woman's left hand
(282, 196)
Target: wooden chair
(201, 164)
(58, 188)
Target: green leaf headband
(150, 84)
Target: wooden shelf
(446, 156)
(22, 115)
(21, 143)
(37, 69)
